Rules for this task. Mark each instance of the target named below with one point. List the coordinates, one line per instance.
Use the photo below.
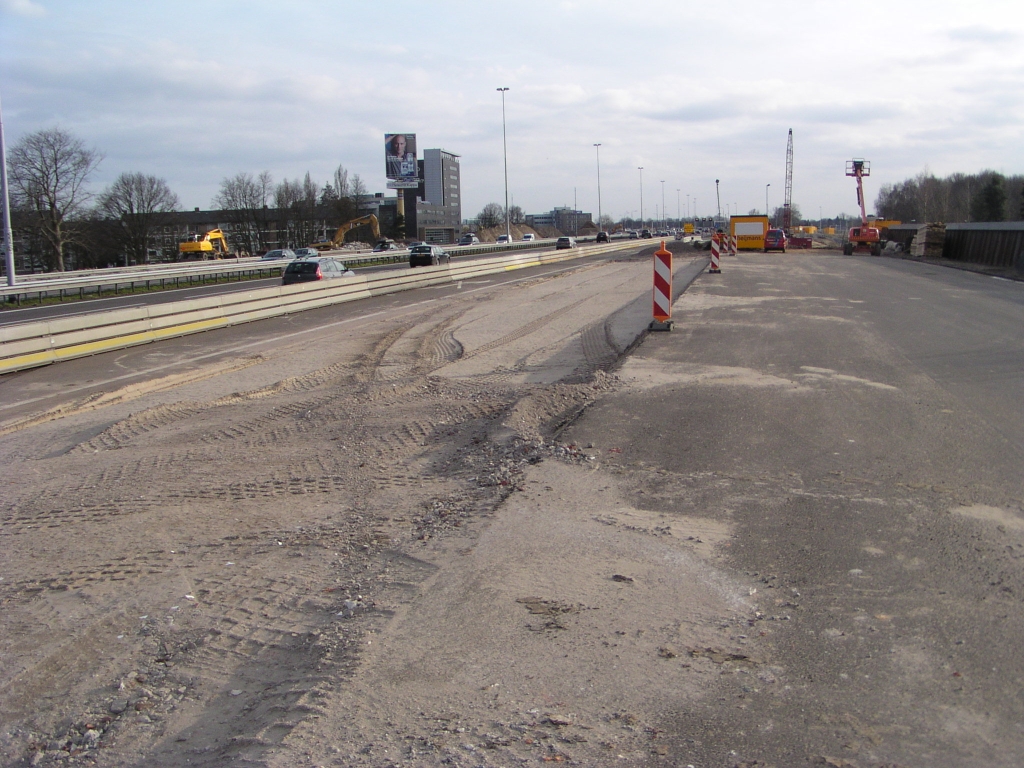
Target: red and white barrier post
(662, 290)
(732, 245)
(716, 267)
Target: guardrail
(30, 345)
(94, 281)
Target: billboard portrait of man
(400, 160)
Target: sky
(197, 91)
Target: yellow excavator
(339, 237)
(212, 245)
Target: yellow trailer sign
(749, 231)
(688, 228)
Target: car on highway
(646, 233)
(775, 240)
(633, 235)
(469, 239)
(383, 246)
(602, 237)
(424, 255)
(529, 237)
(279, 253)
(306, 253)
(565, 242)
(503, 239)
(308, 270)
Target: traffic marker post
(716, 268)
(662, 290)
(732, 245)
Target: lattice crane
(787, 205)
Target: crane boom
(859, 168)
(864, 238)
(787, 204)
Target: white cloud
(22, 8)
(311, 85)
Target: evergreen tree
(990, 204)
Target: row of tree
(959, 197)
(56, 213)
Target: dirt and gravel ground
(474, 533)
(351, 551)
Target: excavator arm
(339, 237)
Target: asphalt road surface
(857, 425)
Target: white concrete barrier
(30, 345)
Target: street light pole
(719, 198)
(687, 205)
(679, 207)
(766, 202)
(6, 203)
(504, 147)
(664, 213)
(641, 169)
(600, 227)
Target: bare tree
(243, 199)
(138, 204)
(298, 201)
(341, 185)
(49, 170)
(492, 215)
(358, 188)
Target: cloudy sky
(197, 91)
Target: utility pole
(8, 235)
(600, 227)
(719, 197)
(641, 169)
(664, 213)
(504, 146)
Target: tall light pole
(679, 207)
(504, 147)
(600, 226)
(719, 198)
(688, 206)
(664, 213)
(766, 202)
(6, 204)
(641, 169)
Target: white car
(503, 239)
(529, 237)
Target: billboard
(400, 160)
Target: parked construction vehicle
(212, 245)
(865, 238)
(339, 237)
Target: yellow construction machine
(212, 245)
(339, 237)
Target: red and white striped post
(732, 245)
(716, 268)
(662, 290)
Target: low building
(566, 220)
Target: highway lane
(10, 315)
